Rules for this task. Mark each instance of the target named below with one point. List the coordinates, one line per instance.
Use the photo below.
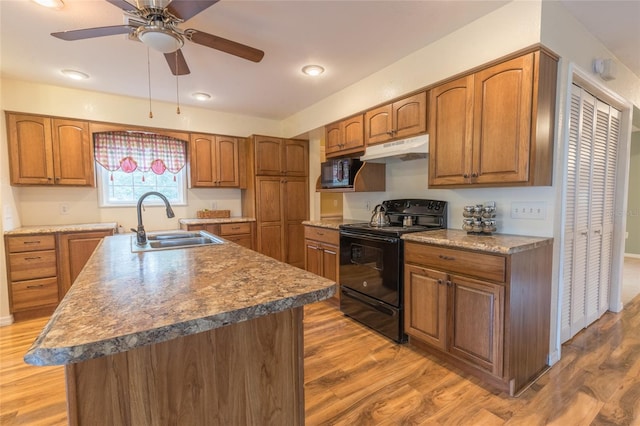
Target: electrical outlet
(64, 208)
(529, 210)
(214, 205)
(368, 205)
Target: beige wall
(632, 245)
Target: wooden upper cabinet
(216, 161)
(49, 151)
(281, 157)
(400, 119)
(345, 137)
(495, 127)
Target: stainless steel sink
(174, 240)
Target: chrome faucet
(141, 235)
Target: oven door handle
(369, 237)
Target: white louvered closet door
(589, 211)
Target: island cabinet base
(246, 373)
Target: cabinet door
(227, 162)
(477, 312)
(313, 257)
(72, 153)
(378, 125)
(353, 133)
(268, 156)
(330, 262)
(295, 211)
(502, 124)
(296, 158)
(202, 155)
(451, 132)
(333, 138)
(74, 252)
(270, 217)
(426, 305)
(30, 149)
(410, 116)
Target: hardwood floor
(355, 377)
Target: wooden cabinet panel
(34, 293)
(74, 250)
(321, 254)
(401, 119)
(345, 137)
(239, 232)
(72, 153)
(269, 199)
(30, 243)
(495, 127)
(215, 161)
(227, 229)
(243, 240)
(49, 151)
(30, 149)
(32, 264)
(268, 156)
(478, 318)
(271, 240)
(426, 305)
(324, 235)
(296, 158)
(330, 262)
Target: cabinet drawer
(479, 265)
(235, 228)
(34, 293)
(33, 264)
(31, 243)
(324, 235)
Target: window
(130, 164)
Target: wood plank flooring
(355, 377)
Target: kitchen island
(201, 335)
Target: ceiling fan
(155, 23)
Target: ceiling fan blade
(126, 6)
(94, 32)
(177, 63)
(225, 45)
(186, 9)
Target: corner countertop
(123, 300)
(495, 243)
(50, 229)
(216, 220)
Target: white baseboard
(553, 357)
(8, 320)
(632, 255)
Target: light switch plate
(529, 210)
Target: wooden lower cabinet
(322, 252)
(74, 250)
(241, 233)
(496, 328)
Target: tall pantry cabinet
(277, 195)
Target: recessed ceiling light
(75, 75)
(312, 70)
(53, 4)
(201, 96)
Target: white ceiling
(351, 39)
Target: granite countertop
(123, 300)
(216, 220)
(330, 223)
(50, 229)
(496, 243)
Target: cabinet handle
(235, 228)
(32, 258)
(449, 283)
(440, 281)
(36, 286)
(584, 233)
(597, 231)
(443, 257)
(466, 176)
(320, 233)
(31, 242)
(474, 175)
(58, 178)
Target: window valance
(130, 151)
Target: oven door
(372, 265)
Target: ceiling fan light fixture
(312, 70)
(75, 75)
(51, 4)
(201, 96)
(161, 39)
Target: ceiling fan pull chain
(177, 91)
(149, 78)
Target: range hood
(404, 149)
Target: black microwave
(339, 173)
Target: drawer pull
(443, 257)
(440, 281)
(31, 242)
(33, 258)
(320, 233)
(36, 286)
(235, 228)
(448, 283)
